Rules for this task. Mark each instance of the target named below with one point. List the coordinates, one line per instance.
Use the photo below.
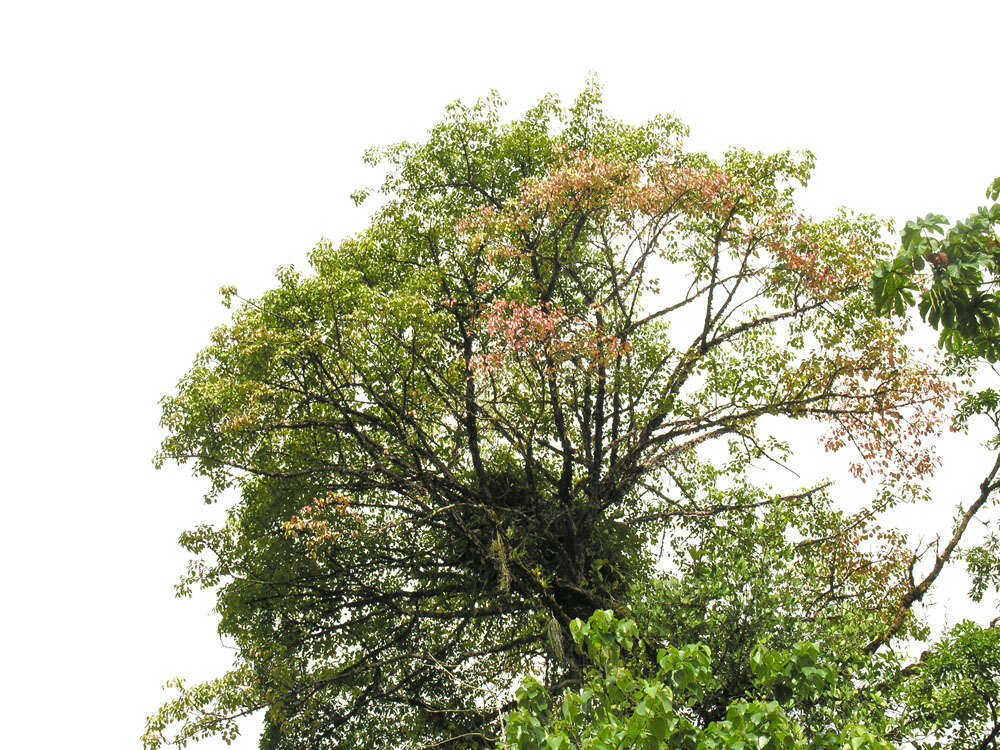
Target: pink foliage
(540, 331)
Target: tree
(953, 691)
(536, 388)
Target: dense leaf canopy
(536, 388)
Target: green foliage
(961, 299)
(983, 562)
(773, 571)
(954, 700)
(630, 701)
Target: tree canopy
(536, 391)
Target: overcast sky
(151, 152)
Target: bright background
(151, 152)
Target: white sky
(151, 152)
